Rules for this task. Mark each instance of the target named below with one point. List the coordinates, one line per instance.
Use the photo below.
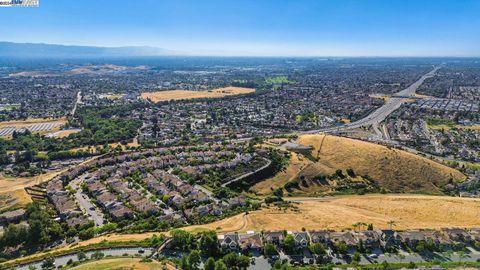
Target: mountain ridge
(13, 49)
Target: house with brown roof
(474, 234)
(119, 211)
(411, 238)
(438, 238)
(346, 237)
(457, 234)
(250, 241)
(275, 238)
(322, 236)
(370, 239)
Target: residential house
(301, 239)
(370, 239)
(250, 241)
(346, 237)
(229, 241)
(411, 238)
(275, 238)
(389, 238)
(322, 236)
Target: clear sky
(256, 27)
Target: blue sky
(256, 27)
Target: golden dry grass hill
(392, 169)
(338, 213)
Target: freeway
(377, 116)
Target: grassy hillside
(338, 213)
(374, 166)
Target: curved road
(381, 113)
(248, 174)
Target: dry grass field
(447, 127)
(297, 164)
(8, 184)
(122, 263)
(14, 199)
(395, 170)
(408, 212)
(186, 94)
(92, 148)
(12, 190)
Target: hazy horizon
(303, 28)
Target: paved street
(62, 260)
(88, 207)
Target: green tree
(97, 255)
(317, 248)
(289, 243)
(181, 239)
(48, 263)
(220, 265)
(269, 250)
(209, 264)
(341, 247)
(81, 256)
(194, 259)
(184, 265)
(420, 247)
(243, 262)
(208, 244)
(42, 229)
(230, 260)
(356, 257)
(14, 235)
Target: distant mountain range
(11, 49)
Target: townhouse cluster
(144, 183)
(369, 239)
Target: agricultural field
(391, 169)
(34, 125)
(338, 213)
(186, 94)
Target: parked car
(373, 256)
